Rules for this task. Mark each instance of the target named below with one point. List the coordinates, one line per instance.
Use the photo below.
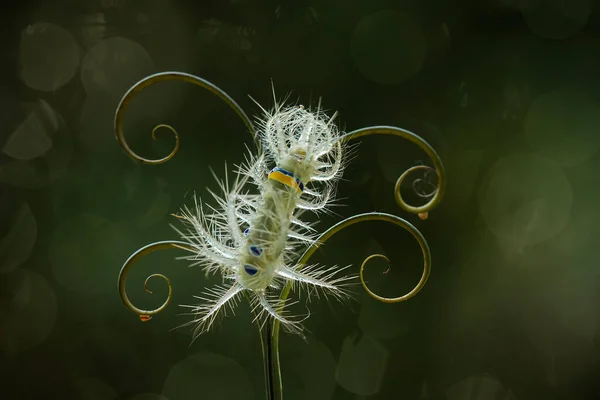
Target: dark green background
(506, 91)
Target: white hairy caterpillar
(253, 240)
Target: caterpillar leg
(318, 279)
(213, 301)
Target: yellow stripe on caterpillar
(287, 178)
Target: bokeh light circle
(208, 375)
(388, 47)
(113, 65)
(557, 19)
(525, 200)
(563, 125)
(478, 387)
(362, 365)
(40, 148)
(48, 55)
(33, 137)
(28, 307)
(17, 245)
(309, 369)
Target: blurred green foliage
(505, 90)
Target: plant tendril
(372, 216)
(423, 210)
(145, 315)
(362, 267)
(175, 134)
(424, 181)
(270, 340)
(172, 76)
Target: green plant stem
(271, 368)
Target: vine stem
(270, 357)
(274, 362)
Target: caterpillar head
(303, 141)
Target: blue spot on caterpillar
(255, 250)
(297, 146)
(250, 269)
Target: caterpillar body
(254, 240)
(251, 239)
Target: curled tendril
(172, 76)
(372, 216)
(270, 345)
(362, 279)
(170, 128)
(425, 181)
(426, 270)
(422, 214)
(423, 210)
(145, 315)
